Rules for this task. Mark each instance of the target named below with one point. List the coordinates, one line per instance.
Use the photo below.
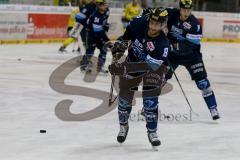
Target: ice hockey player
(84, 12)
(185, 34)
(97, 26)
(71, 21)
(149, 44)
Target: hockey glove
(153, 63)
(107, 45)
(138, 53)
(118, 49)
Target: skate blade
(102, 74)
(62, 52)
(120, 144)
(216, 118)
(155, 148)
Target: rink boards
(22, 24)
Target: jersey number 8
(165, 54)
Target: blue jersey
(186, 34)
(97, 25)
(84, 13)
(156, 47)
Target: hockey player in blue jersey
(81, 18)
(148, 43)
(97, 26)
(185, 34)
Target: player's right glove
(118, 49)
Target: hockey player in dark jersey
(97, 26)
(80, 26)
(149, 44)
(83, 16)
(185, 34)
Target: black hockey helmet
(158, 14)
(186, 4)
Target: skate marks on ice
(62, 109)
(109, 150)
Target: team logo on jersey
(176, 30)
(187, 25)
(138, 44)
(84, 10)
(96, 20)
(150, 46)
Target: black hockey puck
(43, 131)
(19, 59)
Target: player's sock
(85, 62)
(210, 100)
(124, 110)
(209, 97)
(101, 61)
(68, 41)
(151, 113)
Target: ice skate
(215, 114)
(153, 139)
(62, 49)
(122, 135)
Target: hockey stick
(183, 92)
(111, 100)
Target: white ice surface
(27, 105)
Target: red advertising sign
(46, 26)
